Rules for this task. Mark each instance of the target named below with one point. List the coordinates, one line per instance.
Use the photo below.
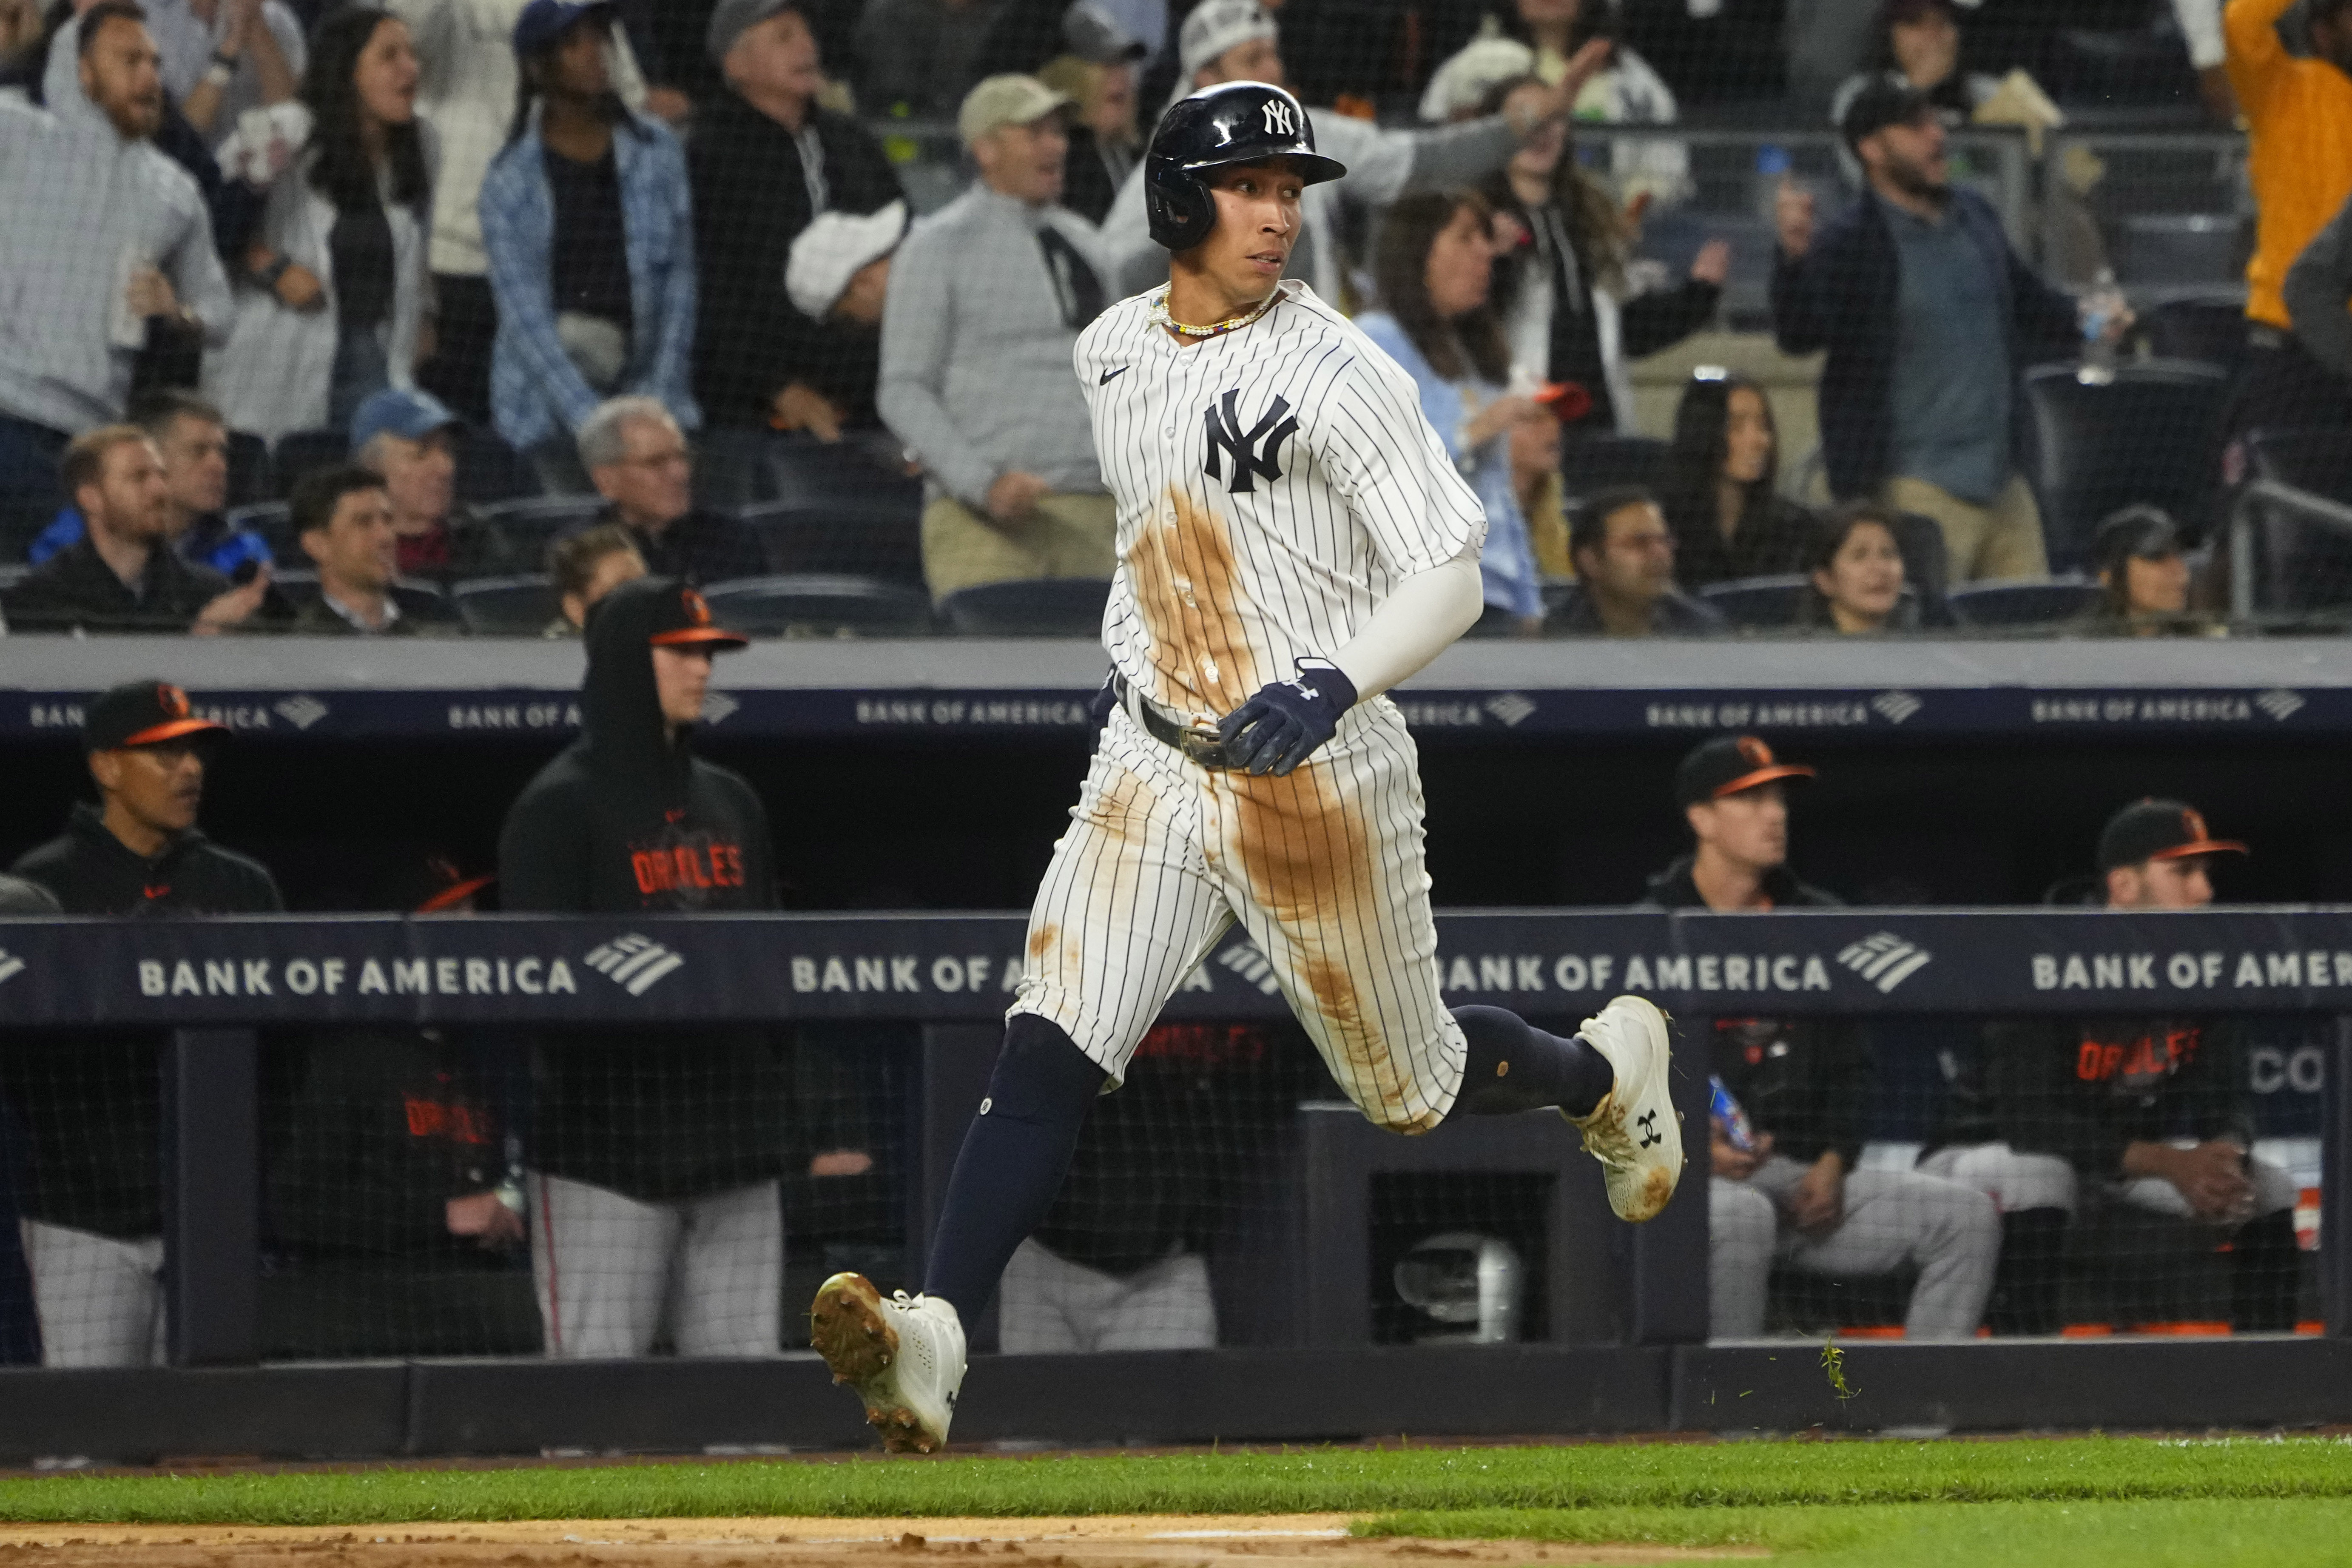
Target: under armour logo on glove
(1287, 720)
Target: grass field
(2070, 1503)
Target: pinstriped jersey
(1274, 485)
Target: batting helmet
(1217, 127)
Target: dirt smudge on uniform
(1042, 941)
(1182, 564)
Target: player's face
(159, 787)
(1749, 829)
(2181, 884)
(681, 676)
(1257, 224)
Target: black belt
(1200, 746)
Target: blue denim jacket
(536, 395)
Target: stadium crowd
(550, 267)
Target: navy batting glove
(1287, 720)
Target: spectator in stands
(656, 1153)
(2318, 295)
(1855, 574)
(1235, 40)
(987, 297)
(468, 91)
(590, 229)
(1535, 480)
(123, 575)
(1561, 284)
(582, 567)
(1722, 495)
(636, 456)
(2199, 21)
(1435, 268)
(1930, 318)
(2298, 114)
(221, 57)
(90, 1102)
(2151, 1112)
(920, 57)
(1624, 91)
(1918, 42)
(768, 160)
(1625, 559)
(1787, 1184)
(839, 277)
(193, 441)
(335, 297)
(20, 28)
(1098, 78)
(2144, 577)
(343, 519)
(409, 437)
(121, 243)
(1825, 42)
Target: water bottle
(1728, 1114)
(2101, 309)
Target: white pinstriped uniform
(1238, 555)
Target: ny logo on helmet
(1255, 455)
(1279, 120)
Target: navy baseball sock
(1014, 1156)
(1514, 1066)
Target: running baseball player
(1293, 542)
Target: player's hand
(1015, 495)
(841, 1163)
(1727, 1158)
(1713, 262)
(1283, 724)
(1819, 1201)
(1792, 214)
(486, 1218)
(2212, 1176)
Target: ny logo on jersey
(1279, 121)
(1255, 455)
(1648, 1121)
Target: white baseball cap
(1011, 99)
(1461, 83)
(1214, 28)
(831, 250)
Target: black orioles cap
(1728, 764)
(141, 713)
(2151, 829)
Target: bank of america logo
(634, 964)
(1511, 707)
(1886, 960)
(11, 966)
(301, 709)
(2280, 704)
(1895, 706)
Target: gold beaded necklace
(1161, 317)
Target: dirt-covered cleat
(1635, 1133)
(904, 1356)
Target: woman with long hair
(1855, 572)
(332, 306)
(1720, 496)
(1434, 268)
(1561, 288)
(2145, 581)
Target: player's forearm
(1415, 623)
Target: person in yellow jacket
(2298, 111)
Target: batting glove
(1287, 720)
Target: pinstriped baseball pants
(1324, 871)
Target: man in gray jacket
(2319, 292)
(106, 236)
(1236, 40)
(987, 297)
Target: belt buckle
(1205, 746)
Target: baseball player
(1293, 542)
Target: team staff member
(1791, 1190)
(2109, 1095)
(657, 1154)
(94, 1209)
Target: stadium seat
(2212, 330)
(299, 451)
(2318, 460)
(2301, 561)
(1560, 598)
(11, 574)
(2151, 435)
(249, 474)
(2182, 250)
(2037, 604)
(1589, 463)
(1031, 608)
(536, 520)
(300, 584)
(506, 606)
(488, 470)
(1927, 566)
(879, 536)
(1759, 602)
(819, 605)
(860, 467)
(270, 519)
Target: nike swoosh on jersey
(1113, 374)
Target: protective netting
(877, 433)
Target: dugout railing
(1307, 1369)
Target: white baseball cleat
(904, 1356)
(1635, 1133)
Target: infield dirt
(1162, 1540)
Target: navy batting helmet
(1217, 127)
